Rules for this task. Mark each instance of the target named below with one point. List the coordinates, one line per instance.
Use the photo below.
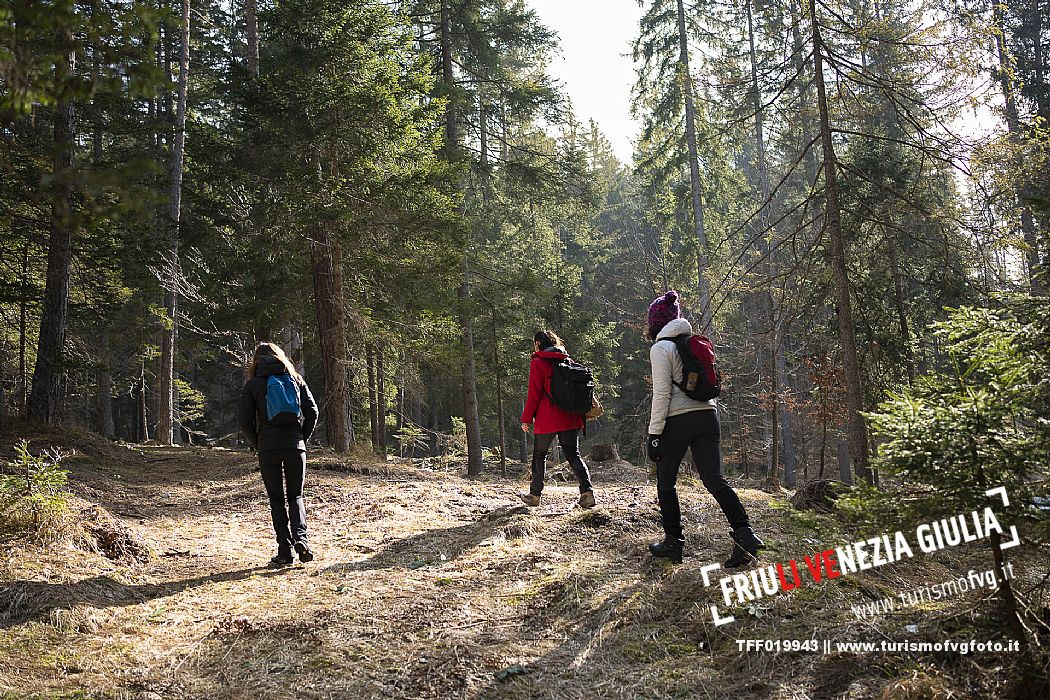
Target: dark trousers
(699, 431)
(283, 473)
(570, 446)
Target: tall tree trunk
(23, 314)
(167, 399)
(381, 396)
(699, 233)
(44, 402)
(105, 388)
(449, 79)
(373, 407)
(500, 418)
(142, 427)
(771, 346)
(326, 261)
(787, 440)
(1013, 126)
(106, 427)
(858, 431)
(399, 404)
(902, 315)
(470, 381)
(251, 22)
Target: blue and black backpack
(282, 400)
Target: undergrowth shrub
(32, 491)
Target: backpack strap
(677, 340)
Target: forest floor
(431, 585)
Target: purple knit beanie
(663, 310)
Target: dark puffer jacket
(251, 413)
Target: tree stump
(605, 453)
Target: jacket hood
(268, 365)
(555, 353)
(679, 326)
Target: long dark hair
(271, 350)
(548, 339)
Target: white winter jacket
(669, 400)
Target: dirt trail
(426, 585)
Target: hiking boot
(745, 548)
(304, 552)
(668, 549)
(529, 500)
(587, 499)
(283, 558)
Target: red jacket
(549, 418)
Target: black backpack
(572, 387)
(701, 379)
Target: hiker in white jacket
(678, 423)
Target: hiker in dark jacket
(678, 423)
(551, 421)
(281, 446)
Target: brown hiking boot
(529, 500)
(587, 499)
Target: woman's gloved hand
(652, 447)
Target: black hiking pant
(570, 446)
(283, 473)
(701, 432)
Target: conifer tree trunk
(23, 318)
(470, 381)
(142, 427)
(902, 315)
(167, 399)
(769, 324)
(44, 401)
(381, 400)
(251, 22)
(857, 430)
(105, 389)
(500, 418)
(326, 262)
(699, 233)
(399, 424)
(1013, 128)
(373, 415)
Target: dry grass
(430, 585)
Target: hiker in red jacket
(551, 421)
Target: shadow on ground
(25, 601)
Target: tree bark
(399, 404)
(771, 346)
(251, 22)
(167, 400)
(787, 440)
(23, 314)
(142, 427)
(902, 315)
(500, 418)
(105, 389)
(1013, 128)
(469, 378)
(373, 414)
(704, 322)
(858, 431)
(326, 262)
(44, 401)
(381, 399)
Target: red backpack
(701, 380)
